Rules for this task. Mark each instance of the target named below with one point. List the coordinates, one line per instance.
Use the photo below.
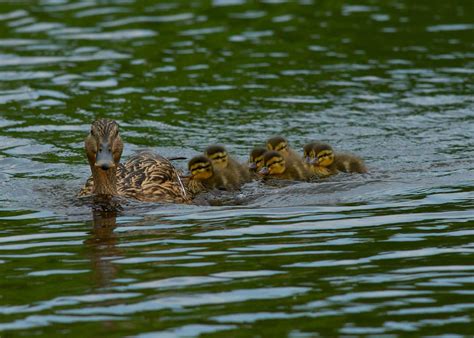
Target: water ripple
(388, 253)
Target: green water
(388, 254)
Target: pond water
(387, 253)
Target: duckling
(280, 144)
(324, 162)
(202, 177)
(233, 174)
(276, 166)
(350, 163)
(145, 176)
(256, 159)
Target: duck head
(278, 143)
(318, 154)
(273, 164)
(200, 168)
(218, 156)
(104, 148)
(256, 159)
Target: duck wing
(150, 177)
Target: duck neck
(105, 181)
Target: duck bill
(308, 159)
(104, 158)
(253, 166)
(314, 161)
(264, 171)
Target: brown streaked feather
(194, 186)
(147, 177)
(88, 188)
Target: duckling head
(278, 143)
(218, 155)
(256, 159)
(200, 168)
(103, 145)
(320, 154)
(273, 164)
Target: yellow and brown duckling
(232, 173)
(256, 159)
(145, 176)
(324, 161)
(202, 177)
(277, 166)
(280, 144)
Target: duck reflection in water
(102, 245)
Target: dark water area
(388, 253)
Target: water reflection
(389, 253)
(102, 244)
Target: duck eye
(92, 132)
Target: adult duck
(145, 176)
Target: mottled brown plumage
(145, 176)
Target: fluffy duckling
(256, 159)
(145, 176)
(324, 162)
(276, 166)
(232, 173)
(202, 175)
(280, 144)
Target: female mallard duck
(256, 159)
(324, 162)
(145, 176)
(280, 144)
(276, 166)
(233, 174)
(202, 176)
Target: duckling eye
(92, 132)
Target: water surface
(387, 253)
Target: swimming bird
(276, 166)
(324, 161)
(146, 176)
(280, 144)
(232, 173)
(202, 177)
